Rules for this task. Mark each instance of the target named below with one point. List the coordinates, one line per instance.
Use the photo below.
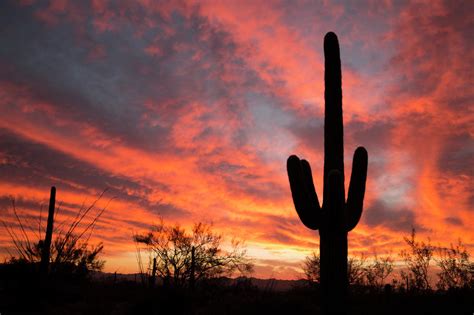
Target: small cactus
(153, 274)
(337, 216)
(44, 266)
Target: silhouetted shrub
(312, 268)
(377, 271)
(457, 271)
(177, 265)
(417, 259)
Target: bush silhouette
(182, 259)
(417, 259)
(457, 271)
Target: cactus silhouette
(49, 234)
(336, 217)
(153, 274)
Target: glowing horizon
(188, 110)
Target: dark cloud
(6, 203)
(167, 210)
(454, 221)
(470, 201)
(457, 155)
(375, 136)
(34, 164)
(279, 237)
(284, 223)
(456, 159)
(260, 190)
(309, 132)
(399, 220)
(243, 180)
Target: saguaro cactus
(336, 217)
(49, 234)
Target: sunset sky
(188, 110)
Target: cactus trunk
(336, 217)
(333, 249)
(333, 234)
(44, 266)
(153, 274)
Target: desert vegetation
(182, 259)
(420, 267)
(195, 272)
(55, 250)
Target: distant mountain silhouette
(277, 285)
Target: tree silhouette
(312, 268)
(183, 258)
(356, 270)
(377, 271)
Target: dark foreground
(222, 297)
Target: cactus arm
(333, 125)
(304, 196)
(355, 196)
(308, 177)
